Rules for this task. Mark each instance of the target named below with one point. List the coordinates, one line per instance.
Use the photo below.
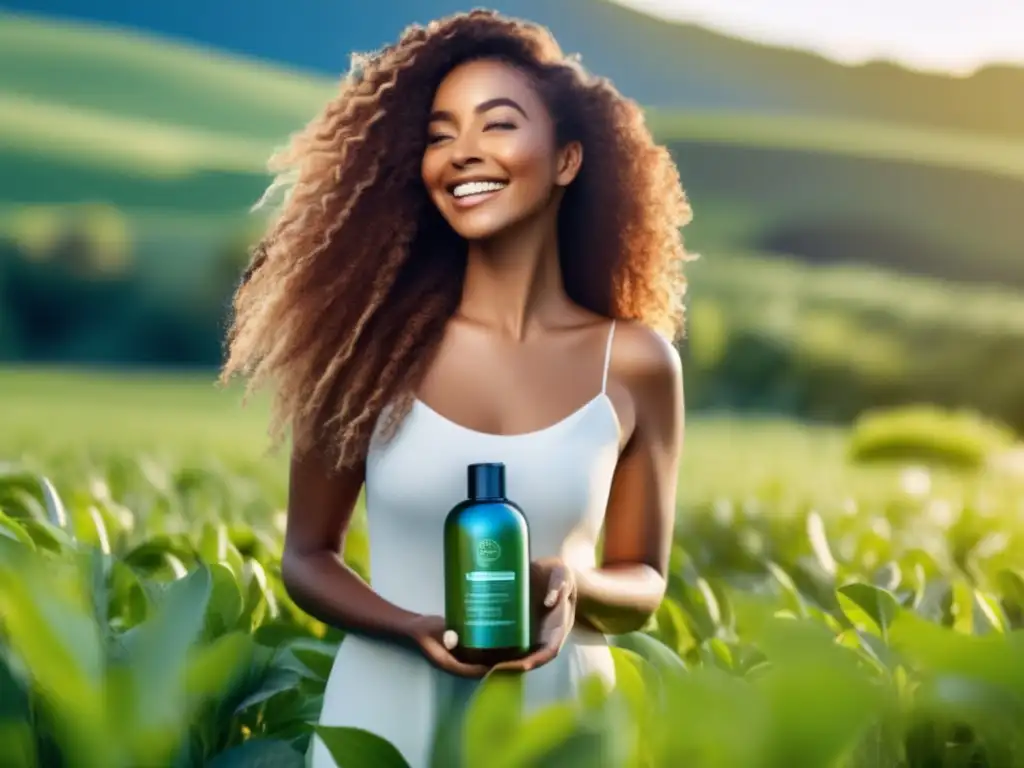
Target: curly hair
(347, 295)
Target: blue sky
(939, 35)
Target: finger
(536, 659)
(557, 595)
(531, 662)
(557, 577)
(446, 661)
(519, 665)
(557, 583)
(544, 655)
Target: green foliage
(125, 647)
(930, 434)
(143, 621)
(832, 342)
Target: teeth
(477, 188)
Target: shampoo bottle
(487, 571)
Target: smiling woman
(478, 262)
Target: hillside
(176, 136)
(659, 63)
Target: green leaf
(55, 511)
(47, 536)
(225, 605)
(716, 652)
(48, 627)
(492, 717)
(700, 604)
(358, 748)
(791, 596)
(272, 683)
(672, 629)
(19, 745)
(211, 669)
(994, 660)
(631, 673)
(868, 608)
(14, 531)
(14, 700)
(547, 737)
(260, 604)
(988, 614)
(128, 604)
(316, 655)
(962, 607)
(150, 701)
(818, 540)
(657, 654)
(260, 753)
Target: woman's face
(491, 161)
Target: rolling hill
(777, 149)
(659, 63)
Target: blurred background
(857, 176)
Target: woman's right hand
(437, 642)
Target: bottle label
(490, 598)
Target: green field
(822, 612)
(180, 416)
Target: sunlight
(936, 35)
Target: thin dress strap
(607, 357)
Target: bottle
(487, 571)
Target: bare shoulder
(648, 365)
(645, 357)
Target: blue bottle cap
(486, 481)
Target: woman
(478, 261)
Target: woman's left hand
(553, 593)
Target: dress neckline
(550, 428)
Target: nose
(464, 152)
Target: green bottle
(487, 571)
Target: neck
(514, 282)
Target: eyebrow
(501, 101)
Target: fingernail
(450, 639)
(550, 599)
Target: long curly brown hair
(348, 293)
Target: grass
(185, 414)
(74, 417)
(80, 407)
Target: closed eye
(500, 124)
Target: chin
(486, 228)
(478, 233)
(481, 225)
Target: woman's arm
(627, 588)
(320, 507)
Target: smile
(476, 191)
